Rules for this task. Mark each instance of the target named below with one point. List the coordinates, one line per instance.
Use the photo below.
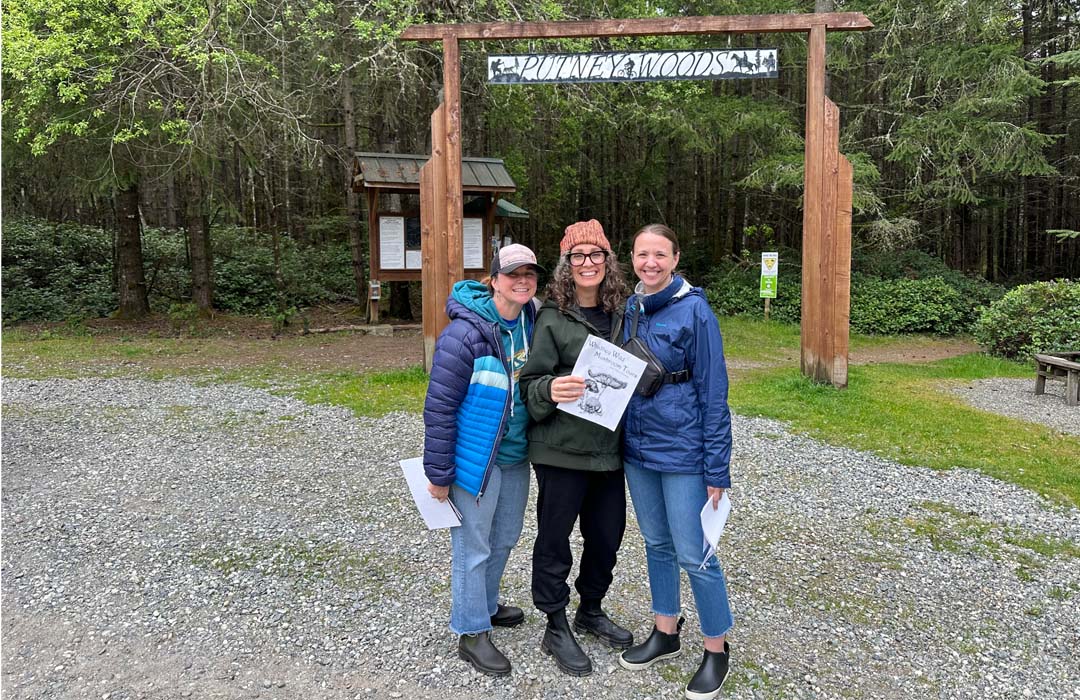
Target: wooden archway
(826, 247)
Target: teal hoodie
(476, 297)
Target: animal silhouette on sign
(741, 61)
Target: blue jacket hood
(474, 296)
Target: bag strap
(637, 313)
(683, 375)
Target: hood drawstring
(513, 352)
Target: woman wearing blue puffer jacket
(475, 449)
(677, 447)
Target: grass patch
(302, 562)
(770, 342)
(751, 340)
(901, 412)
(373, 394)
(1063, 593)
(950, 529)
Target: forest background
(199, 154)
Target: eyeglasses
(597, 257)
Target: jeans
(480, 547)
(595, 500)
(668, 508)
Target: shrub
(903, 292)
(1039, 317)
(915, 264)
(244, 272)
(54, 272)
(733, 289)
(892, 307)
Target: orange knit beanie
(584, 232)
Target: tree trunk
(130, 280)
(199, 246)
(352, 202)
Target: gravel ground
(166, 540)
(1016, 398)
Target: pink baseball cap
(511, 257)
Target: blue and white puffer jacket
(470, 393)
(683, 428)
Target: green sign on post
(769, 264)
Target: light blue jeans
(489, 529)
(668, 508)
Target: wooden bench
(1059, 365)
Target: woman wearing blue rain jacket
(677, 448)
(475, 449)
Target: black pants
(564, 496)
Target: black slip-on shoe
(657, 647)
(706, 683)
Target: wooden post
(826, 279)
(428, 259)
(841, 304)
(374, 260)
(814, 166)
(434, 285)
(452, 117)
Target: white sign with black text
(632, 66)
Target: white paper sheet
(611, 374)
(436, 514)
(472, 242)
(413, 260)
(712, 524)
(391, 243)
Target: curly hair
(613, 290)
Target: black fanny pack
(656, 374)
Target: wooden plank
(374, 261)
(452, 116)
(731, 24)
(440, 279)
(1054, 360)
(842, 270)
(826, 270)
(429, 310)
(813, 176)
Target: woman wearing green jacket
(578, 463)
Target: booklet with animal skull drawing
(610, 375)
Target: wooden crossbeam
(732, 24)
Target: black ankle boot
(659, 645)
(479, 651)
(590, 617)
(559, 642)
(705, 685)
(507, 616)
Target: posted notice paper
(611, 374)
(712, 524)
(436, 514)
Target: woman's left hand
(715, 492)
